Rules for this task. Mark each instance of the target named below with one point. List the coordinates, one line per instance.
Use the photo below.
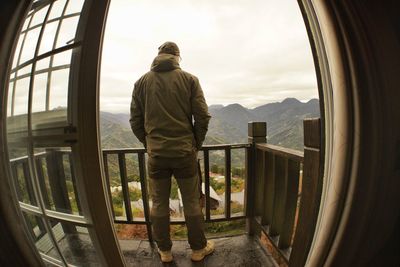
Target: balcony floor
(229, 251)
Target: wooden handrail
(283, 151)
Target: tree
(221, 170)
(135, 194)
(214, 168)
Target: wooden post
(257, 132)
(310, 193)
(292, 188)
(269, 188)
(279, 202)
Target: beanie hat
(169, 48)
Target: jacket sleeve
(137, 118)
(200, 113)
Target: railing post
(310, 192)
(257, 133)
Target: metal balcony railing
(122, 154)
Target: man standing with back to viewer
(169, 115)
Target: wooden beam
(278, 215)
(292, 190)
(269, 188)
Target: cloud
(248, 52)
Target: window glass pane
(63, 58)
(17, 123)
(9, 99)
(39, 92)
(40, 236)
(17, 150)
(67, 31)
(21, 96)
(45, 187)
(56, 114)
(23, 180)
(48, 37)
(43, 64)
(71, 184)
(57, 9)
(75, 244)
(59, 90)
(25, 70)
(28, 51)
(56, 177)
(18, 50)
(74, 6)
(26, 23)
(38, 17)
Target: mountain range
(228, 124)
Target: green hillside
(228, 124)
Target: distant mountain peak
(313, 101)
(234, 106)
(291, 101)
(216, 107)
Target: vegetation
(213, 229)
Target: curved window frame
(66, 131)
(342, 109)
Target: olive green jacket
(169, 114)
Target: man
(169, 115)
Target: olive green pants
(160, 188)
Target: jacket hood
(164, 62)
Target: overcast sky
(250, 52)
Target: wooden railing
(286, 190)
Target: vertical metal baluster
(145, 198)
(107, 174)
(125, 187)
(207, 183)
(228, 183)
